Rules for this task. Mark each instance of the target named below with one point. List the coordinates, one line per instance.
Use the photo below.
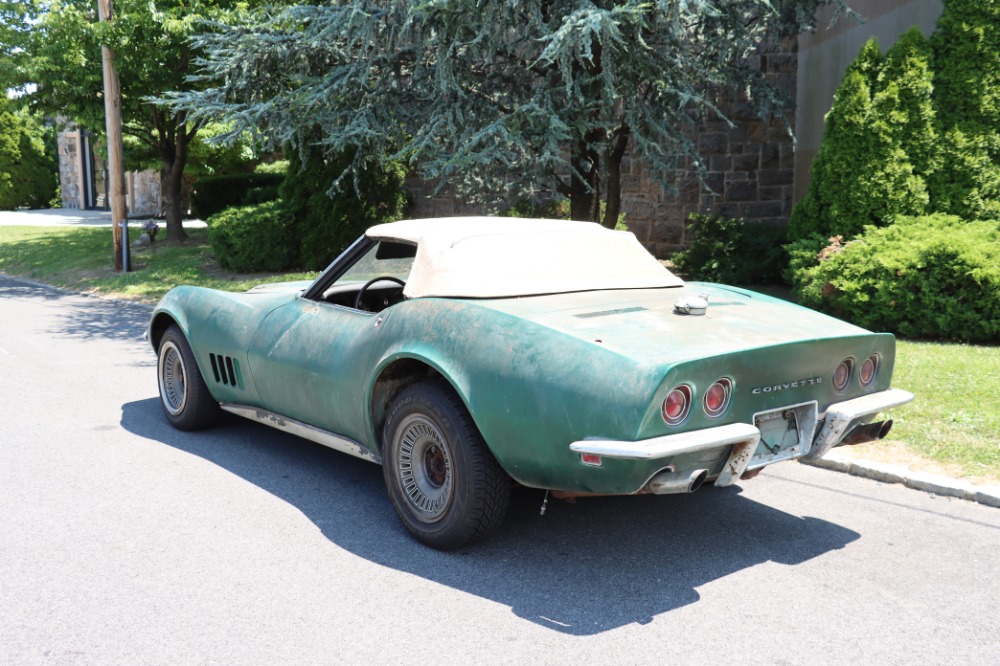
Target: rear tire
(444, 483)
(185, 398)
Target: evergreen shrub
(967, 97)
(733, 251)
(880, 146)
(213, 194)
(934, 276)
(248, 239)
(328, 221)
(804, 253)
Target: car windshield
(385, 259)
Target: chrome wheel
(172, 378)
(424, 468)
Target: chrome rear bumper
(839, 419)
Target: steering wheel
(365, 287)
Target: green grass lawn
(82, 259)
(955, 419)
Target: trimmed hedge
(213, 194)
(733, 251)
(247, 239)
(914, 133)
(928, 277)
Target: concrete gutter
(935, 484)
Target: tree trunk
(585, 183)
(616, 151)
(174, 155)
(170, 193)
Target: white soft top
(495, 257)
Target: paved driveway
(61, 217)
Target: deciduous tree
(27, 167)
(59, 68)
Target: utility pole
(116, 162)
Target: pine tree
(502, 99)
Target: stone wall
(143, 193)
(750, 170)
(70, 169)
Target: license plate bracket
(785, 434)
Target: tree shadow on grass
(581, 569)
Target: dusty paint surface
(538, 373)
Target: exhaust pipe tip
(698, 477)
(867, 433)
(673, 483)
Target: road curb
(931, 483)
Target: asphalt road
(123, 541)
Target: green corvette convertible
(467, 354)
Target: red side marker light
(591, 459)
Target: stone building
(83, 177)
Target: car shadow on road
(581, 569)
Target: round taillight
(866, 374)
(842, 375)
(717, 397)
(677, 404)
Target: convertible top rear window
(390, 250)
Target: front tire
(184, 396)
(444, 484)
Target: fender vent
(608, 313)
(226, 370)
